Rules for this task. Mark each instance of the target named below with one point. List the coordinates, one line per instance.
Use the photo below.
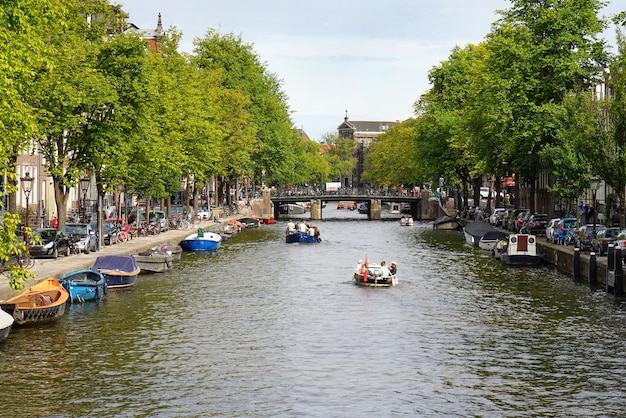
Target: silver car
(83, 236)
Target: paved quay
(46, 267)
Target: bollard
(610, 269)
(619, 272)
(577, 274)
(593, 269)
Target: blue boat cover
(124, 263)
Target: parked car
(521, 219)
(514, 220)
(562, 228)
(535, 224)
(550, 229)
(83, 236)
(110, 230)
(584, 235)
(600, 244)
(495, 218)
(49, 242)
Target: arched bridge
(374, 203)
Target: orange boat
(42, 302)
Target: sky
(368, 59)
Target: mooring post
(577, 274)
(610, 269)
(619, 272)
(593, 269)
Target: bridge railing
(348, 191)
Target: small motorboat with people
(6, 322)
(375, 275)
(406, 220)
(474, 231)
(521, 250)
(119, 271)
(42, 302)
(306, 234)
(489, 240)
(84, 285)
(201, 241)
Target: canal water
(267, 329)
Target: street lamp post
(27, 186)
(84, 185)
(594, 184)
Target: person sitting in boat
(302, 227)
(393, 269)
(291, 227)
(359, 265)
(384, 270)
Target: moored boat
(201, 241)
(84, 285)
(154, 260)
(172, 249)
(6, 322)
(119, 271)
(372, 277)
(249, 222)
(521, 250)
(447, 223)
(42, 302)
(474, 231)
(489, 240)
(291, 209)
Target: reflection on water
(263, 328)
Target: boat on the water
(6, 322)
(303, 237)
(201, 241)
(474, 231)
(119, 271)
(489, 240)
(174, 250)
(249, 222)
(406, 221)
(521, 250)
(154, 260)
(42, 302)
(372, 277)
(447, 223)
(291, 209)
(84, 285)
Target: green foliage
(340, 155)
(12, 246)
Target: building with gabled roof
(363, 132)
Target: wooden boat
(406, 221)
(447, 223)
(489, 240)
(521, 250)
(6, 322)
(201, 241)
(374, 278)
(474, 231)
(119, 271)
(154, 260)
(83, 285)
(303, 237)
(42, 302)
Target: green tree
(340, 155)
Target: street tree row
(524, 102)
